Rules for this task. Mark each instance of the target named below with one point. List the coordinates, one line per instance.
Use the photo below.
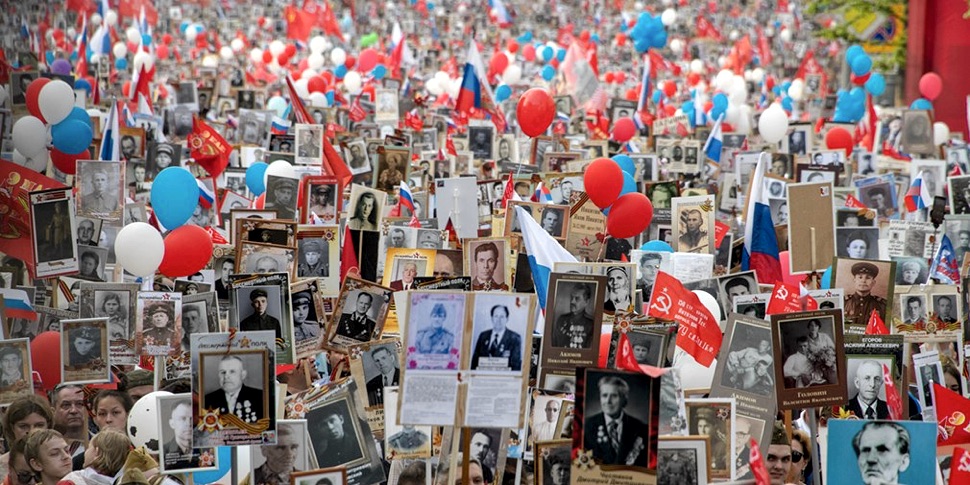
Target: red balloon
(317, 84)
(68, 163)
(529, 52)
(620, 40)
(162, 51)
(631, 94)
(609, 78)
(290, 50)
(535, 111)
(931, 85)
(126, 88)
(603, 182)
(349, 63)
(624, 129)
(33, 96)
(187, 250)
(497, 64)
(267, 56)
(45, 358)
(367, 60)
(620, 77)
(166, 39)
(512, 46)
(629, 215)
(283, 59)
(839, 138)
(670, 88)
(693, 78)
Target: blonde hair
(35, 440)
(114, 447)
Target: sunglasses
(26, 477)
(796, 456)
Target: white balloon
(769, 32)
(277, 47)
(210, 61)
(318, 44)
(668, 17)
(139, 248)
(3, 95)
(709, 302)
(442, 77)
(738, 94)
(724, 79)
(56, 100)
(732, 114)
(143, 59)
(786, 35)
(315, 61)
(697, 66)
(280, 168)
(308, 73)
(302, 87)
(191, 34)
(338, 56)
(237, 44)
(796, 90)
(95, 19)
(226, 52)
(677, 46)
(119, 50)
(111, 18)
(37, 164)
(133, 35)
(30, 135)
(722, 61)
(940, 133)
(434, 86)
(454, 87)
(757, 75)
(256, 55)
(743, 126)
(143, 421)
(773, 124)
(511, 76)
(352, 82)
(318, 100)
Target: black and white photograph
(320, 200)
(868, 286)
(15, 369)
(321, 476)
(912, 270)
(186, 94)
(386, 107)
(867, 387)
(809, 347)
(335, 433)
(854, 218)
(506, 150)
(162, 156)
(54, 250)
(252, 127)
(827, 157)
(714, 418)
(917, 133)
(265, 258)
(554, 220)
(480, 139)
(101, 189)
(158, 321)
(309, 144)
(749, 362)
(314, 257)
(945, 309)
(365, 209)
(484, 445)
(959, 192)
(392, 168)
(553, 461)
(246, 99)
(544, 416)
(798, 142)
(499, 333)
(175, 434)
(733, 286)
(277, 464)
(179, 120)
(683, 460)
(624, 398)
(957, 157)
(929, 370)
(281, 196)
(914, 310)
(236, 383)
(434, 330)
(116, 305)
(379, 361)
(19, 82)
(573, 312)
(648, 346)
(857, 242)
(259, 307)
(359, 313)
(276, 232)
(84, 351)
(91, 262)
(355, 153)
(933, 175)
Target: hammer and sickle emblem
(783, 293)
(663, 303)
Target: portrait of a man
(281, 197)
(177, 452)
(305, 324)
(357, 323)
(613, 435)
(233, 395)
(314, 259)
(11, 366)
(385, 361)
(574, 328)
(281, 459)
(486, 261)
(100, 199)
(334, 436)
(868, 380)
(409, 271)
(499, 346)
(260, 319)
(859, 300)
(882, 452)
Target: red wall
(939, 41)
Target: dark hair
(22, 407)
(126, 401)
(489, 246)
(359, 208)
(111, 296)
(736, 281)
(586, 288)
(496, 307)
(93, 255)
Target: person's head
(11, 362)
(438, 315)
(228, 267)
(486, 260)
(365, 209)
(778, 167)
(333, 426)
(778, 459)
(481, 443)
(322, 194)
(267, 264)
(614, 393)
(232, 373)
(566, 187)
(882, 451)
(857, 245)
(550, 220)
(877, 198)
(127, 145)
(801, 455)
(964, 235)
(107, 452)
(661, 195)
(649, 265)
(364, 302)
(742, 432)
(47, 455)
(84, 340)
(384, 359)
(951, 378)
(413, 474)
(89, 263)
(813, 327)
(138, 383)
(863, 277)
(552, 410)
(281, 457)
(944, 306)
(522, 189)
(397, 238)
(85, 230)
(579, 298)
(851, 220)
(111, 409)
(693, 220)
(181, 423)
(312, 250)
(736, 287)
(914, 306)
(801, 344)
(443, 266)
(911, 271)
(500, 318)
(283, 190)
(19, 472)
(641, 349)
(25, 414)
(161, 316)
(192, 321)
(429, 239)
(617, 282)
(111, 305)
(869, 380)
(163, 156)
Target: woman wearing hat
(85, 345)
(160, 319)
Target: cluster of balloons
(649, 31)
(930, 86)
(53, 119)
(611, 186)
(850, 106)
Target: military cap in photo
(258, 293)
(865, 268)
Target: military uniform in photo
(261, 322)
(858, 308)
(247, 404)
(309, 328)
(574, 331)
(356, 326)
(177, 458)
(375, 386)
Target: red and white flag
(699, 333)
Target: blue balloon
(641, 44)
(595, 38)
(861, 65)
(786, 104)
(687, 108)
(146, 39)
(658, 39)
(657, 94)
(826, 279)
(657, 246)
(852, 52)
(503, 92)
(82, 84)
(340, 71)
(626, 164)
(177, 196)
(526, 36)
(330, 98)
(876, 85)
(78, 113)
(72, 136)
(121, 63)
(921, 103)
(379, 72)
(547, 53)
(184, 26)
(629, 185)
(561, 55)
(225, 466)
(548, 72)
(776, 90)
(50, 57)
(720, 101)
(254, 178)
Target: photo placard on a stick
(809, 359)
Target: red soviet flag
(757, 463)
(960, 466)
(784, 299)
(208, 148)
(876, 326)
(952, 417)
(698, 332)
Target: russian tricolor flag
(917, 197)
(542, 194)
(405, 198)
(110, 137)
(543, 251)
(760, 251)
(712, 148)
(17, 304)
(206, 196)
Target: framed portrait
(290, 455)
(552, 459)
(637, 397)
(386, 108)
(359, 313)
(817, 173)
(200, 314)
(281, 196)
(917, 132)
(158, 321)
(54, 250)
(915, 464)
(321, 200)
(868, 358)
(19, 82)
(336, 434)
(715, 419)
(480, 140)
(366, 208)
(959, 194)
(116, 302)
(684, 460)
(694, 223)
(102, 189)
(320, 476)
(265, 258)
(262, 302)
(375, 366)
(15, 369)
(500, 334)
(810, 346)
(435, 330)
(175, 434)
(573, 323)
(84, 351)
(487, 261)
(318, 256)
(868, 286)
(392, 169)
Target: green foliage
(848, 11)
